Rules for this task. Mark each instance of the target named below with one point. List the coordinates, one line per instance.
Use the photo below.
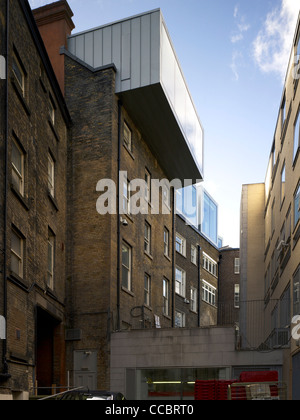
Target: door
(296, 377)
(85, 369)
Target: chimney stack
(55, 25)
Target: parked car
(86, 395)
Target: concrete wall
(205, 347)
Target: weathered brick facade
(31, 211)
(93, 240)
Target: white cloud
(272, 46)
(236, 62)
(241, 26)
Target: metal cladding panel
(132, 45)
(143, 54)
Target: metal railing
(264, 391)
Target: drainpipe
(173, 255)
(119, 219)
(4, 361)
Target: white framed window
(19, 73)
(283, 112)
(17, 161)
(237, 296)
(17, 254)
(194, 254)
(180, 282)
(126, 266)
(296, 292)
(209, 293)
(166, 297)
(179, 319)
(51, 255)
(283, 176)
(147, 240)
(166, 241)
(296, 135)
(297, 206)
(147, 290)
(51, 110)
(127, 137)
(51, 175)
(194, 299)
(147, 186)
(126, 197)
(180, 244)
(210, 265)
(236, 266)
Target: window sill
(128, 291)
(129, 151)
(22, 199)
(179, 253)
(53, 201)
(148, 255)
(18, 281)
(53, 130)
(167, 257)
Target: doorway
(45, 330)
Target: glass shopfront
(174, 384)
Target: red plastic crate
(205, 390)
(258, 377)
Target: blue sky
(234, 55)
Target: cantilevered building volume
(151, 85)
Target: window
(147, 290)
(127, 137)
(179, 319)
(296, 135)
(237, 296)
(51, 110)
(51, 253)
(194, 254)
(298, 48)
(273, 218)
(296, 293)
(126, 197)
(147, 241)
(166, 242)
(51, 175)
(166, 293)
(297, 206)
(180, 245)
(17, 160)
(19, 73)
(126, 266)
(180, 277)
(210, 218)
(147, 186)
(283, 112)
(194, 299)
(236, 266)
(187, 204)
(283, 183)
(17, 254)
(210, 265)
(209, 293)
(288, 225)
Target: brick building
(196, 275)
(270, 246)
(33, 170)
(229, 286)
